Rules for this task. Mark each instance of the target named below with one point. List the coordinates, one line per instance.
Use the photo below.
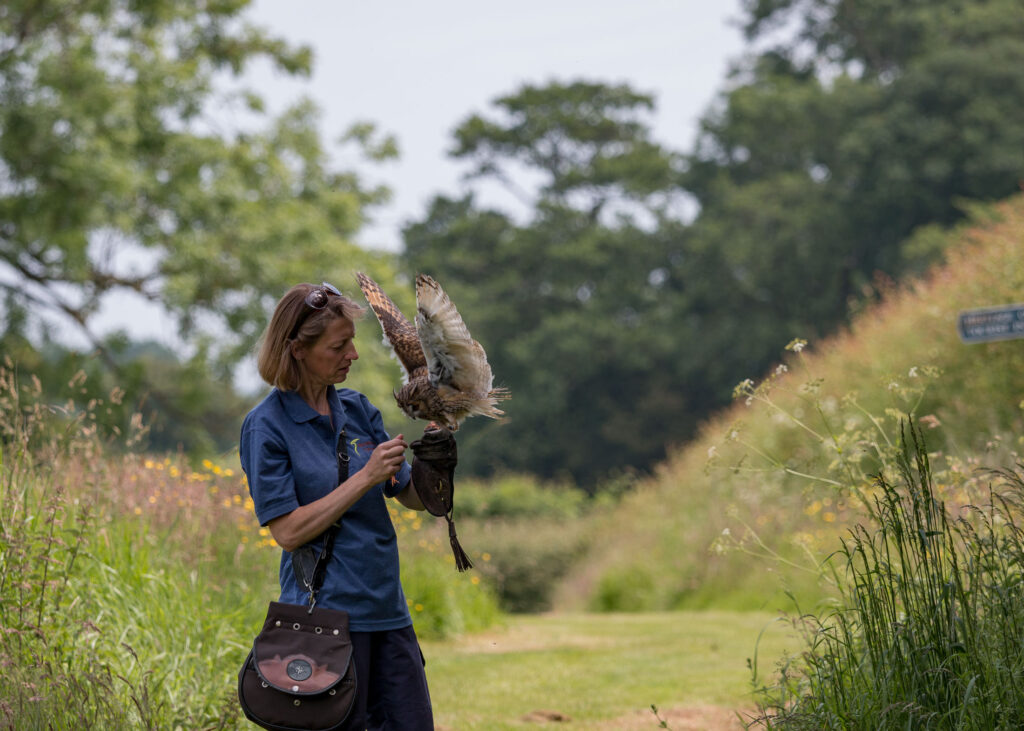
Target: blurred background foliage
(620, 303)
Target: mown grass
(599, 668)
(754, 470)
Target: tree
(117, 178)
(863, 121)
(569, 305)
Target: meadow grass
(597, 668)
(768, 471)
(131, 586)
(928, 631)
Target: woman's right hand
(385, 461)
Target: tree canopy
(135, 166)
(122, 176)
(617, 324)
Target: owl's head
(416, 398)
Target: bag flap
(302, 653)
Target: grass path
(603, 671)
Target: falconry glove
(435, 456)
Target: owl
(447, 377)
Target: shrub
(519, 496)
(443, 602)
(628, 589)
(525, 559)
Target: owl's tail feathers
(488, 405)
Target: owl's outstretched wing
(399, 334)
(453, 357)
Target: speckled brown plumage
(447, 377)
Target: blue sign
(993, 323)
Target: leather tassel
(462, 561)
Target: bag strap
(319, 570)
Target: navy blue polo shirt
(288, 454)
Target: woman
(287, 446)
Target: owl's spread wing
(453, 357)
(399, 334)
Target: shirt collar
(301, 412)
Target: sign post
(991, 323)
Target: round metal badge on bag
(299, 670)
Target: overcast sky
(417, 69)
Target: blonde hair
(275, 362)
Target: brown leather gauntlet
(435, 456)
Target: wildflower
(475, 580)
(781, 369)
(418, 607)
(726, 532)
(486, 557)
(796, 345)
(711, 451)
(912, 373)
(829, 517)
(746, 386)
(893, 385)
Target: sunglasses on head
(316, 299)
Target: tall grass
(929, 627)
(131, 586)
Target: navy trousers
(391, 685)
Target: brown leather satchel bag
(300, 673)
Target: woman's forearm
(308, 521)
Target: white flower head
(712, 450)
(913, 372)
(781, 369)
